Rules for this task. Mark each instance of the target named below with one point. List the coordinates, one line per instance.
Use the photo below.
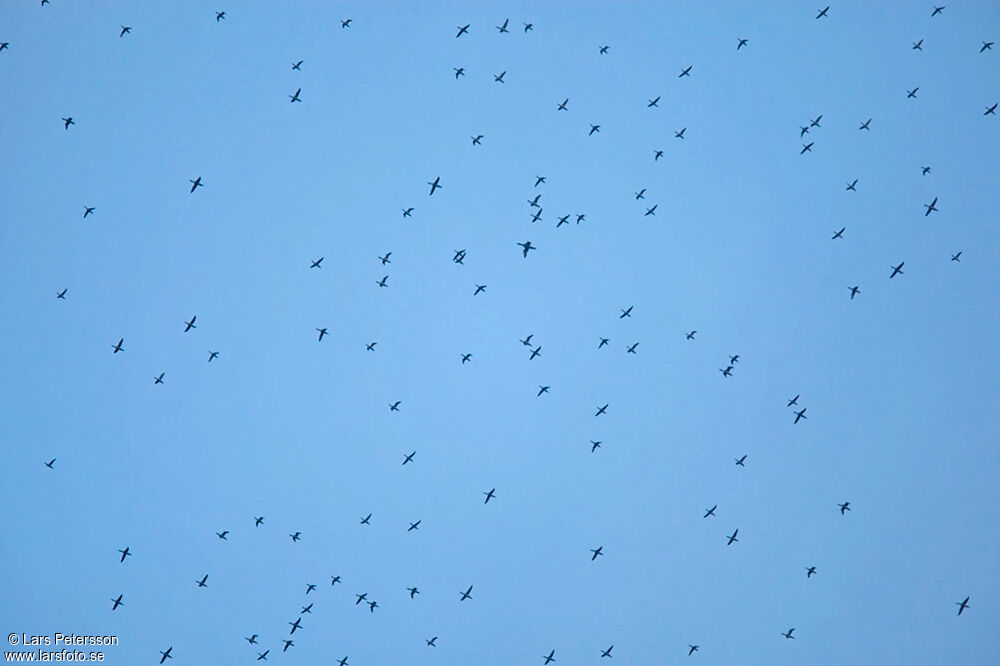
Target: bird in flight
(295, 536)
(810, 571)
(61, 294)
(596, 551)
(925, 170)
(413, 526)
(258, 520)
(202, 582)
(912, 94)
(823, 12)
(394, 406)
(562, 220)
(4, 45)
(852, 185)
(467, 594)
(550, 657)
(477, 140)
(727, 371)
(987, 46)
(539, 180)
(288, 643)
(383, 282)
(526, 247)
(692, 649)
(542, 389)
(991, 110)
(657, 154)
(360, 598)
(459, 71)
(334, 580)
(534, 202)
(788, 634)
(846, 506)
(799, 415)
(462, 30)
(806, 147)
(489, 495)
(118, 347)
(413, 591)
(125, 30)
(918, 45)
(956, 257)
(262, 656)
(67, 122)
(602, 410)
(297, 65)
(562, 106)
(535, 352)
(196, 183)
(594, 128)
(372, 605)
(407, 458)
(686, 72)
(631, 350)
(603, 343)
(466, 357)
(742, 43)
(815, 121)
(407, 212)
(732, 537)
(125, 553)
(528, 26)
(371, 346)
(653, 102)
(603, 50)
(680, 135)
(117, 602)
(793, 401)
(166, 655)
(937, 10)
(710, 512)
(436, 185)
(322, 332)
(839, 233)
(345, 23)
(537, 216)
(222, 535)
(962, 605)
(864, 125)
(527, 341)
(897, 270)
(626, 312)
(219, 16)
(651, 211)
(188, 325)
(295, 625)
(740, 461)
(430, 642)
(690, 336)
(295, 97)
(803, 131)
(503, 27)
(594, 445)
(854, 291)
(212, 355)
(50, 463)
(498, 78)
(88, 210)
(316, 264)
(385, 259)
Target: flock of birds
(533, 350)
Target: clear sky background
(900, 384)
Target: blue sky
(899, 384)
